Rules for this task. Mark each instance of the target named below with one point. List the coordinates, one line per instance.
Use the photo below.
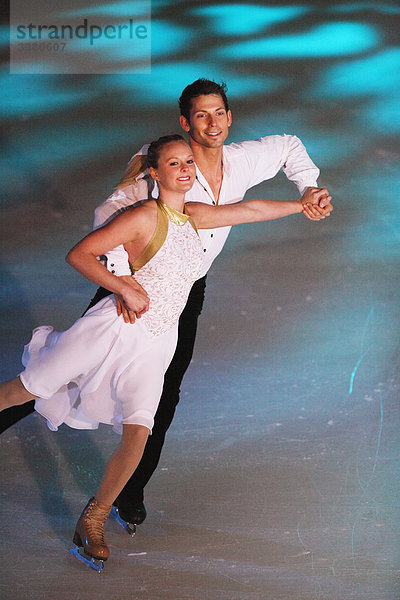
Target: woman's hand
(314, 212)
(133, 300)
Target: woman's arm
(134, 225)
(251, 211)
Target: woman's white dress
(103, 370)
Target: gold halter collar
(173, 215)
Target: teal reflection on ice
(335, 39)
(160, 42)
(378, 7)
(114, 47)
(328, 149)
(58, 146)
(380, 234)
(70, 146)
(244, 19)
(378, 74)
(159, 36)
(30, 95)
(325, 146)
(383, 116)
(166, 82)
(112, 9)
(167, 38)
(4, 36)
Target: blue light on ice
(378, 74)
(335, 39)
(374, 6)
(162, 88)
(113, 9)
(245, 19)
(30, 95)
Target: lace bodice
(170, 273)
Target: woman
(105, 370)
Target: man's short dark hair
(201, 87)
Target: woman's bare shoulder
(140, 214)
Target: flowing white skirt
(100, 370)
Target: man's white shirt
(245, 164)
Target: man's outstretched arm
(270, 154)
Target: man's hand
(134, 302)
(316, 195)
(316, 203)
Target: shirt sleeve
(143, 150)
(267, 155)
(110, 208)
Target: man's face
(209, 122)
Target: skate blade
(129, 527)
(93, 563)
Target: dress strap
(155, 243)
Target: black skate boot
(128, 513)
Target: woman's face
(176, 170)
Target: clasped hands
(316, 203)
(134, 302)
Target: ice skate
(91, 547)
(129, 516)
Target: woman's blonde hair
(141, 162)
(137, 166)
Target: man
(224, 174)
